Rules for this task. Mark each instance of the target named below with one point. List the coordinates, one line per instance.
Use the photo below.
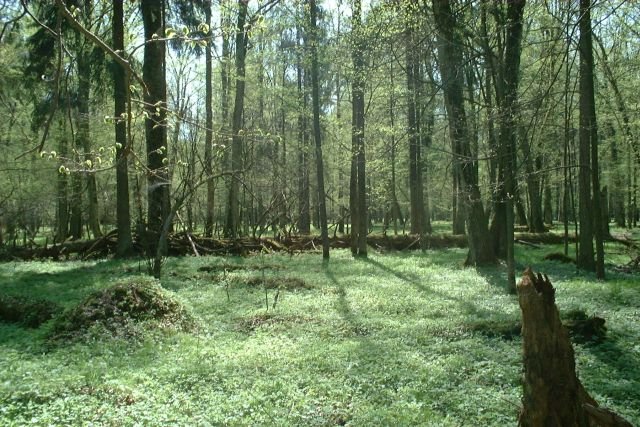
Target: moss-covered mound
(28, 312)
(126, 310)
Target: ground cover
(391, 340)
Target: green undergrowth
(285, 340)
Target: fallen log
(183, 244)
(553, 394)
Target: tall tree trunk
(359, 229)
(304, 212)
(62, 205)
(450, 60)
(589, 139)
(585, 258)
(153, 71)
(123, 213)
(426, 139)
(232, 227)
(84, 140)
(416, 194)
(315, 99)
(457, 199)
(508, 128)
(208, 138)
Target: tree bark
(62, 207)
(359, 229)
(315, 99)
(208, 139)
(304, 213)
(120, 87)
(153, 74)
(553, 394)
(416, 194)
(450, 60)
(232, 227)
(83, 135)
(585, 258)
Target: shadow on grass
(626, 380)
(62, 286)
(416, 281)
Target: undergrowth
(383, 341)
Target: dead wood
(553, 394)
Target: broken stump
(553, 394)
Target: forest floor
(400, 338)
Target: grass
(383, 341)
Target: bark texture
(123, 215)
(553, 394)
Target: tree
(208, 142)
(358, 189)
(505, 71)
(237, 160)
(155, 102)
(120, 87)
(416, 192)
(317, 134)
(450, 62)
(589, 174)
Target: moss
(25, 311)
(120, 308)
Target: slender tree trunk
(416, 194)
(155, 99)
(232, 227)
(359, 214)
(589, 138)
(123, 213)
(450, 60)
(84, 138)
(62, 205)
(428, 122)
(585, 259)
(315, 100)
(75, 207)
(304, 213)
(208, 138)
(457, 200)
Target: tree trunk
(84, 138)
(75, 208)
(589, 128)
(416, 194)
(450, 60)
(585, 258)
(315, 99)
(208, 139)
(360, 222)
(232, 227)
(457, 200)
(553, 394)
(304, 213)
(155, 98)
(62, 207)
(548, 205)
(120, 87)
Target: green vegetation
(387, 340)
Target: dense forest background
(278, 118)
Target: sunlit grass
(383, 341)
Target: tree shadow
(416, 281)
(625, 363)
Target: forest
(319, 212)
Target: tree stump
(553, 394)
